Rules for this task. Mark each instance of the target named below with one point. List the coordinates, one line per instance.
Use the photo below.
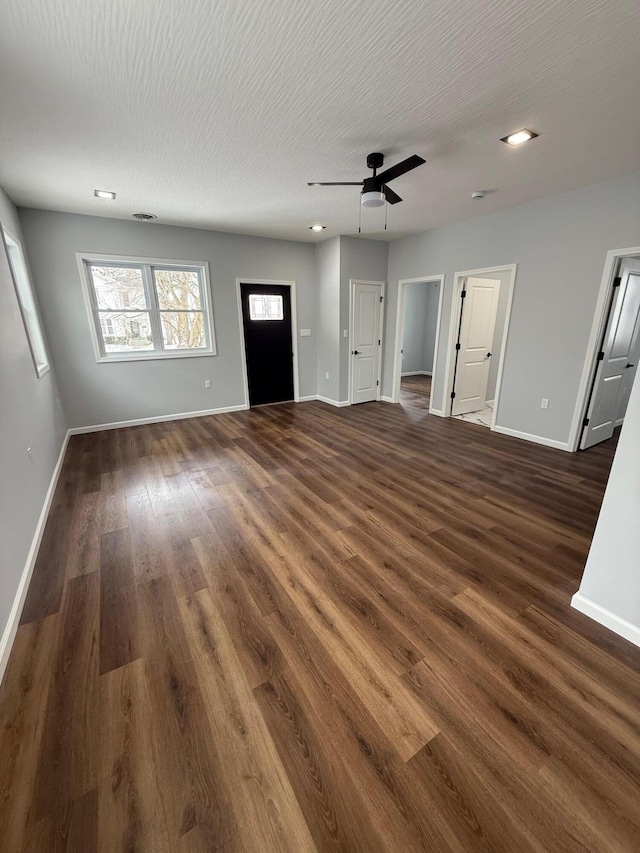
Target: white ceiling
(216, 114)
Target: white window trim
(42, 369)
(84, 258)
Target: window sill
(155, 356)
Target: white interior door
(616, 366)
(365, 355)
(479, 310)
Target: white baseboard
(307, 399)
(438, 412)
(387, 399)
(536, 439)
(156, 420)
(417, 373)
(605, 617)
(337, 403)
(11, 628)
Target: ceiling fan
(375, 190)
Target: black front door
(266, 315)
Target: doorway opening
(267, 313)
(417, 334)
(478, 333)
(365, 340)
(613, 354)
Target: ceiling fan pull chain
(386, 208)
(359, 217)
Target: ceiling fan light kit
(375, 190)
(372, 199)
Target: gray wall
(328, 317)
(337, 262)
(106, 393)
(611, 578)
(29, 417)
(560, 244)
(421, 316)
(362, 260)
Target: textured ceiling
(216, 114)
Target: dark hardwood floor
(304, 628)
(415, 392)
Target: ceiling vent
(144, 217)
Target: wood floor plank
(67, 768)
(23, 707)
(71, 828)
(267, 812)
(83, 555)
(328, 797)
(179, 745)
(47, 585)
(309, 628)
(119, 623)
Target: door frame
(399, 339)
(611, 267)
(294, 337)
(352, 291)
(454, 324)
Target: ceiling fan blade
(400, 169)
(334, 184)
(392, 198)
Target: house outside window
(141, 308)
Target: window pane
(178, 290)
(183, 331)
(27, 303)
(118, 287)
(130, 332)
(265, 307)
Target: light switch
(345, 334)
(305, 333)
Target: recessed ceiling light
(519, 137)
(317, 227)
(104, 194)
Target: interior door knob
(630, 365)
(356, 352)
(489, 355)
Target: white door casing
(479, 310)
(365, 341)
(612, 380)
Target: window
(147, 309)
(266, 307)
(22, 284)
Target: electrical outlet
(544, 404)
(207, 383)
(326, 376)
(30, 454)
(305, 333)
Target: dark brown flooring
(415, 392)
(305, 628)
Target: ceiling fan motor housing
(375, 161)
